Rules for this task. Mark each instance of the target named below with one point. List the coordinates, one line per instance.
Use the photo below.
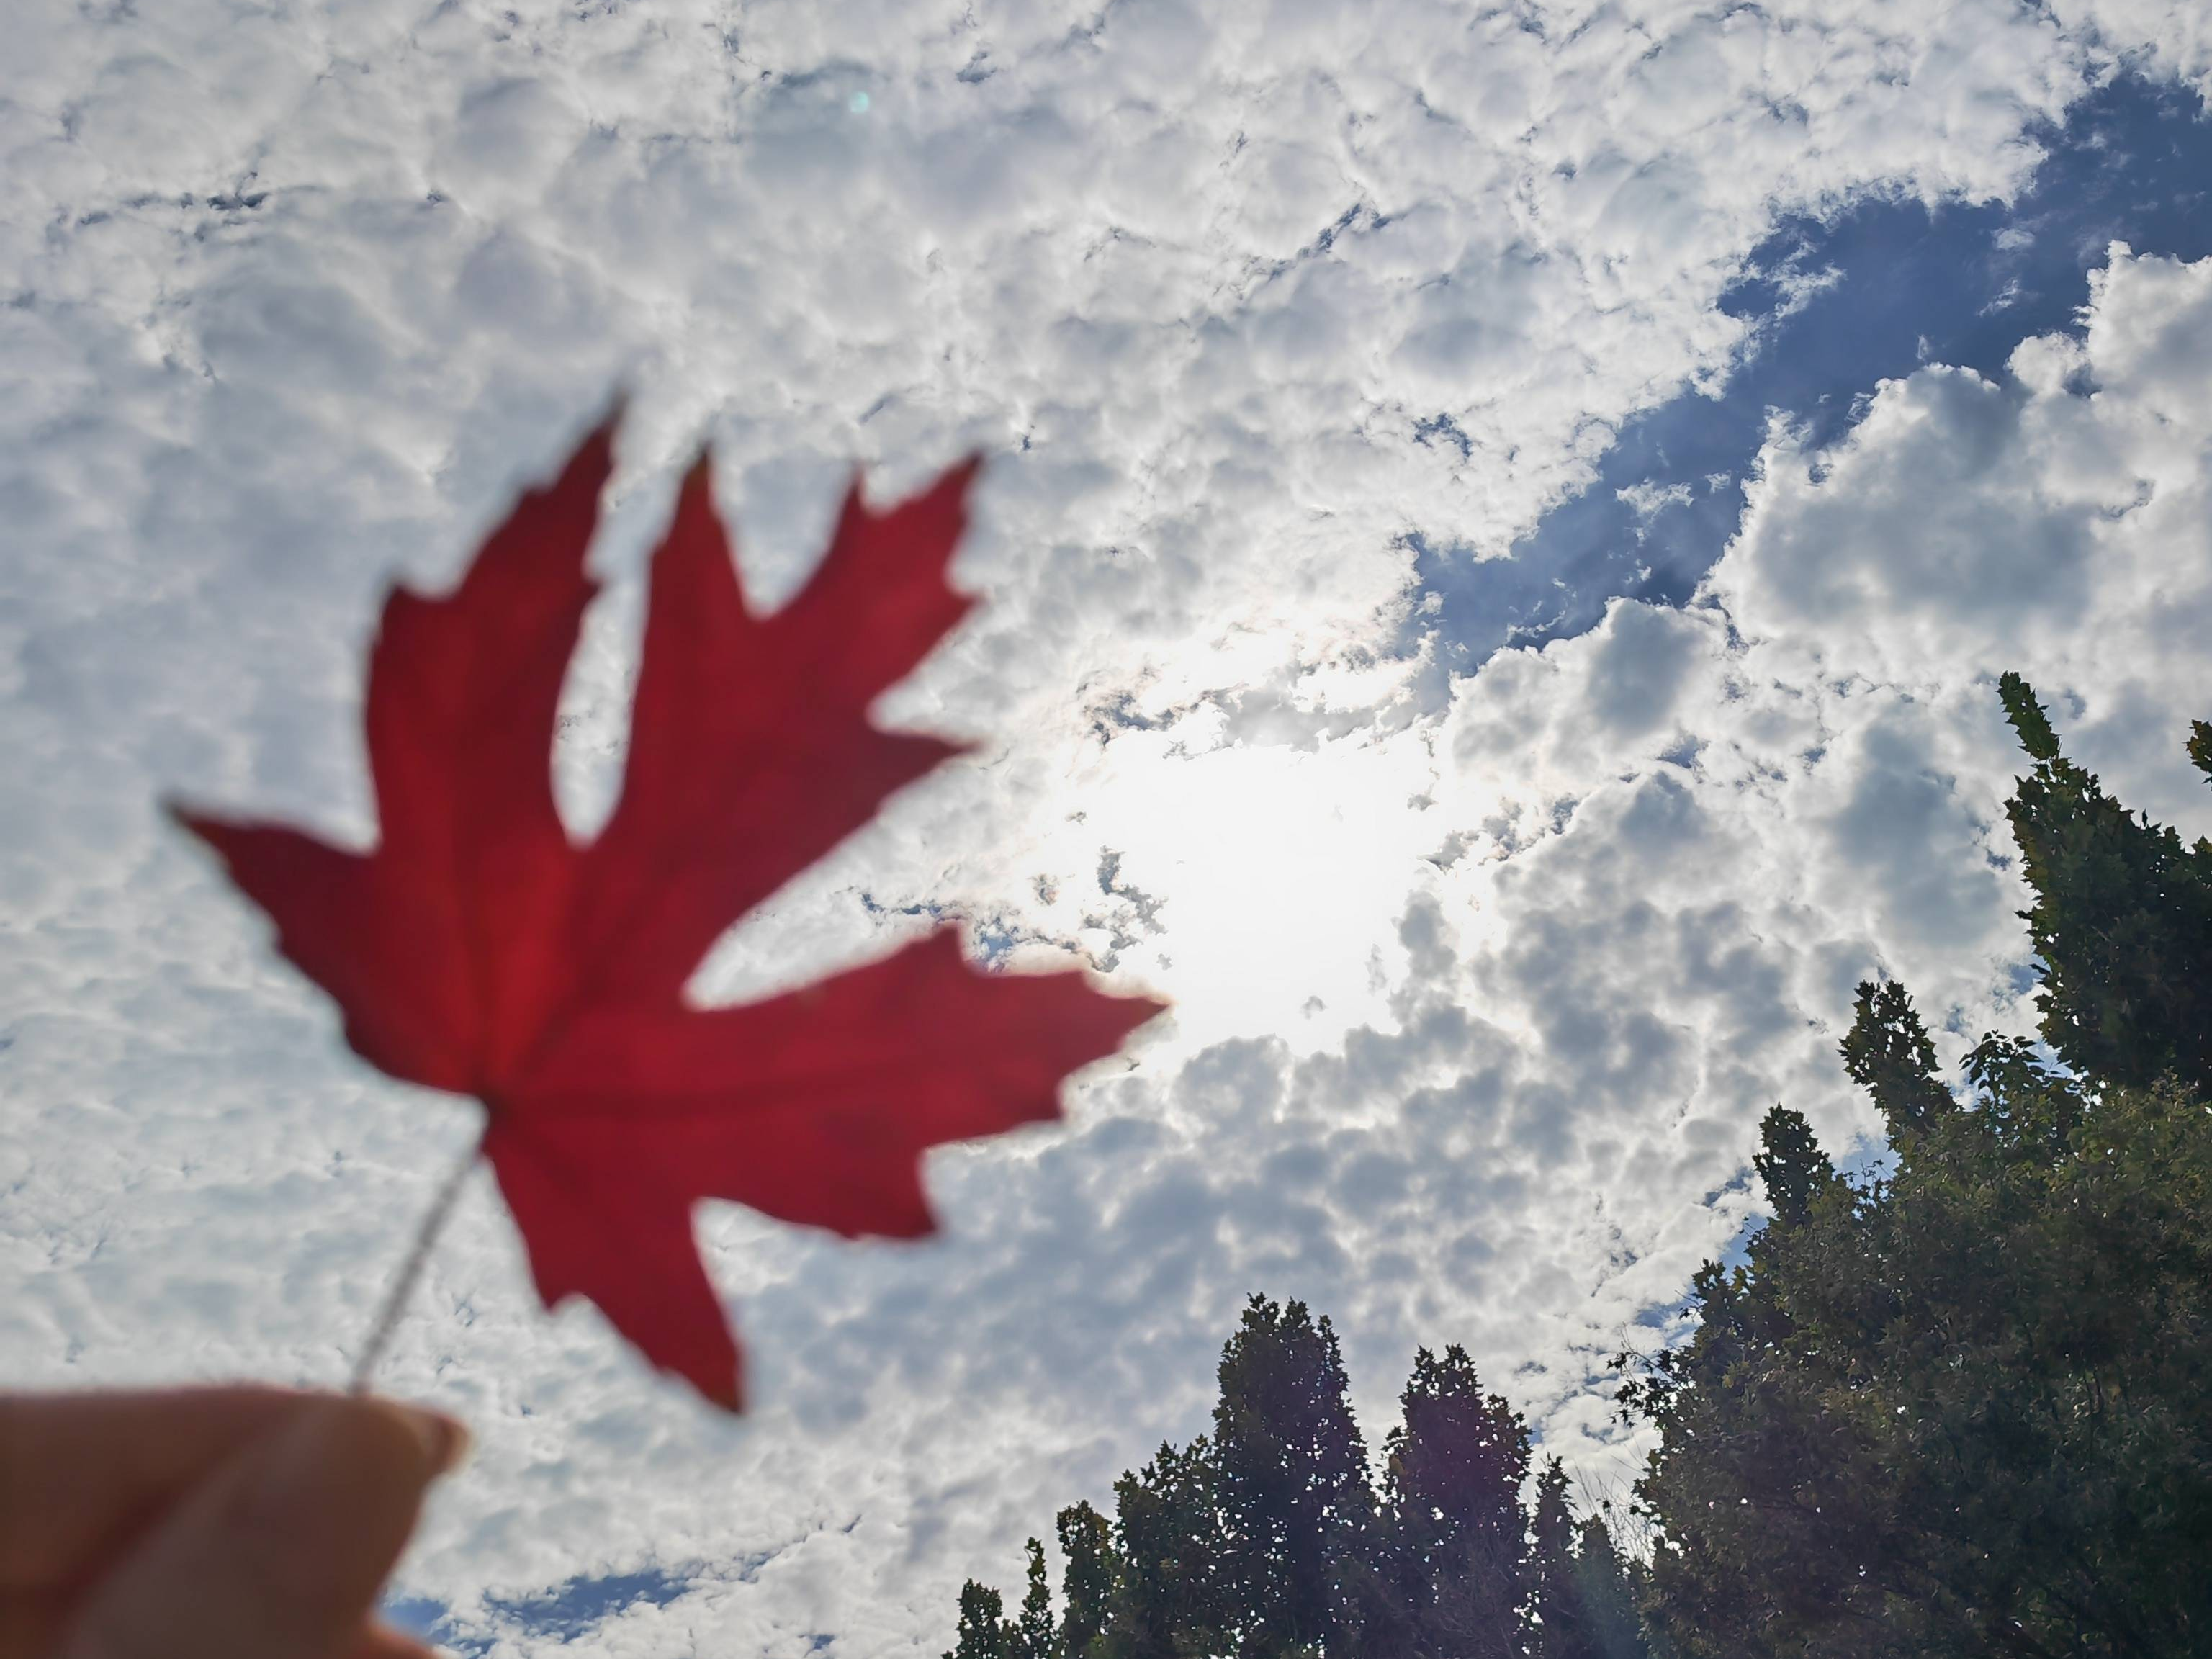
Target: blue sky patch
(569, 1610)
(1839, 305)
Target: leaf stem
(418, 1254)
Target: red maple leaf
(478, 949)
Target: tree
(1796, 1173)
(1613, 1588)
(1967, 1409)
(1583, 1592)
(1266, 1540)
(983, 1631)
(1555, 1599)
(1291, 1481)
(2122, 917)
(1454, 1559)
(1889, 1053)
(1089, 1577)
(1166, 1601)
(1035, 1633)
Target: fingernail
(445, 1441)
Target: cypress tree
(1453, 1562)
(2122, 917)
(1166, 1603)
(1969, 1411)
(1089, 1575)
(1584, 1593)
(1796, 1172)
(1291, 1480)
(1035, 1632)
(983, 1631)
(1561, 1628)
(1613, 1588)
(1889, 1053)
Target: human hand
(209, 1524)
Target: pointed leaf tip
(2027, 718)
(478, 949)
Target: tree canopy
(1268, 1538)
(1966, 1408)
(1961, 1406)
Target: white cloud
(2174, 40)
(295, 298)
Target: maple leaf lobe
(478, 949)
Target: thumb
(280, 1554)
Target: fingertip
(367, 1450)
(445, 1441)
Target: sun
(1259, 883)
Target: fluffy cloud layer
(1482, 983)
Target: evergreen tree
(1290, 1482)
(1035, 1634)
(2121, 918)
(1266, 1540)
(983, 1631)
(1166, 1600)
(1796, 1172)
(1613, 1588)
(1969, 1414)
(1561, 1628)
(1967, 1409)
(1089, 1575)
(1889, 1055)
(1584, 1593)
(1454, 1559)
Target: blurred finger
(280, 1554)
(30, 1622)
(382, 1642)
(83, 1472)
(31, 1627)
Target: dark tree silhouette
(1966, 1409)
(2122, 917)
(1454, 1559)
(1089, 1576)
(1167, 1602)
(983, 1631)
(1265, 1541)
(1298, 1514)
(1796, 1172)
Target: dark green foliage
(1583, 1592)
(1796, 1172)
(1967, 1409)
(2122, 919)
(1167, 1602)
(1889, 1055)
(1036, 1634)
(1562, 1625)
(1971, 1412)
(1454, 1557)
(983, 1631)
(1290, 1485)
(2029, 723)
(1612, 1587)
(1087, 1581)
(1265, 1539)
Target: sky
(1502, 525)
